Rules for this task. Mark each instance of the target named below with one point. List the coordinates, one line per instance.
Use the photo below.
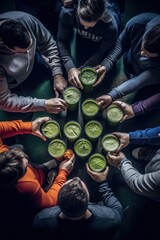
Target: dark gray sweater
(106, 218)
(104, 33)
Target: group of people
(29, 51)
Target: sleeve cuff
(121, 163)
(137, 108)
(103, 182)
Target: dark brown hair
(151, 40)
(11, 167)
(73, 198)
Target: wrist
(57, 76)
(121, 163)
(102, 181)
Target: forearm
(65, 34)
(12, 128)
(99, 54)
(146, 78)
(145, 185)
(59, 181)
(147, 136)
(65, 53)
(121, 46)
(146, 105)
(13, 103)
(50, 51)
(47, 45)
(108, 197)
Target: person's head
(89, 12)
(73, 199)
(13, 165)
(15, 36)
(151, 42)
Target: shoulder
(16, 15)
(142, 18)
(101, 211)
(67, 13)
(46, 216)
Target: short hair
(11, 167)
(73, 198)
(92, 10)
(14, 34)
(151, 40)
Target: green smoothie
(82, 147)
(97, 162)
(110, 143)
(57, 148)
(93, 130)
(50, 129)
(72, 130)
(90, 108)
(88, 77)
(72, 96)
(114, 114)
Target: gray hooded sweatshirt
(16, 67)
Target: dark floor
(140, 214)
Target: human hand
(73, 78)
(67, 3)
(127, 109)
(123, 138)
(55, 105)
(101, 71)
(59, 84)
(104, 101)
(115, 160)
(68, 164)
(97, 177)
(36, 126)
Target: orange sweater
(12, 128)
(33, 179)
(31, 183)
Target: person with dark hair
(28, 52)
(139, 44)
(75, 211)
(27, 178)
(147, 184)
(96, 25)
(139, 107)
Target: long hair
(14, 34)
(11, 167)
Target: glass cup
(90, 108)
(97, 162)
(57, 148)
(82, 148)
(88, 76)
(93, 130)
(51, 129)
(113, 114)
(72, 97)
(110, 143)
(72, 130)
